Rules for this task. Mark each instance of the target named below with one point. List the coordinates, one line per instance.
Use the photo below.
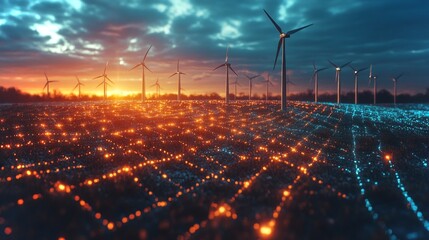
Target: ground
(201, 170)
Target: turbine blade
(172, 75)
(46, 84)
(314, 67)
(226, 55)
(77, 85)
(400, 75)
(135, 66)
(333, 64)
(346, 64)
(99, 84)
(354, 69)
(147, 53)
(105, 67)
(223, 64)
(362, 69)
(232, 70)
(182, 73)
(109, 79)
(278, 50)
(319, 70)
(279, 29)
(98, 77)
(297, 30)
(144, 65)
(46, 76)
(255, 76)
(178, 65)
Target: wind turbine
(78, 85)
(337, 78)
(179, 86)
(290, 83)
(316, 81)
(104, 82)
(250, 85)
(235, 87)
(228, 66)
(143, 65)
(356, 74)
(268, 82)
(373, 77)
(282, 44)
(48, 82)
(158, 88)
(395, 80)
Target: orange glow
(286, 193)
(97, 215)
(110, 226)
(20, 201)
(388, 157)
(265, 231)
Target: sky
(77, 37)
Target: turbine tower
(373, 77)
(395, 81)
(179, 86)
(235, 87)
(228, 66)
(316, 81)
(250, 85)
(281, 44)
(356, 74)
(157, 87)
(268, 82)
(143, 65)
(104, 82)
(337, 78)
(48, 82)
(78, 85)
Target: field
(200, 170)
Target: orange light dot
(286, 193)
(110, 226)
(265, 231)
(61, 238)
(20, 201)
(36, 196)
(98, 215)
(222, 209)
(28, 172)
(61, 187)
(387, 157)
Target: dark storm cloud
(392, 35)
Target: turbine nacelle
(284, 35)
(338, 69)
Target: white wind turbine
(47, 84)
(395, 81)
(337, 78)
(228, 66)
(104, 82)
(356, 74)
(235, 87)
(250, 84)
(373, 77)
(281, 44)
(143, 65)
(316, 81)
(268, 82)
(78, 85)
(179, 84)
(157, 88)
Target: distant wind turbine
(395, 81)
(48, 82)
(337, 78)
(356, 74)
(179, 85)
(250, 84)
(289, 82)
(104, 82)
(228, 66)
(143, 65)
(235, 87)
(78, 85)
(268, 82)
(282, 44)
(373, 77)
(315, 78)
(157, 87)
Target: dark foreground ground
(198, 170)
